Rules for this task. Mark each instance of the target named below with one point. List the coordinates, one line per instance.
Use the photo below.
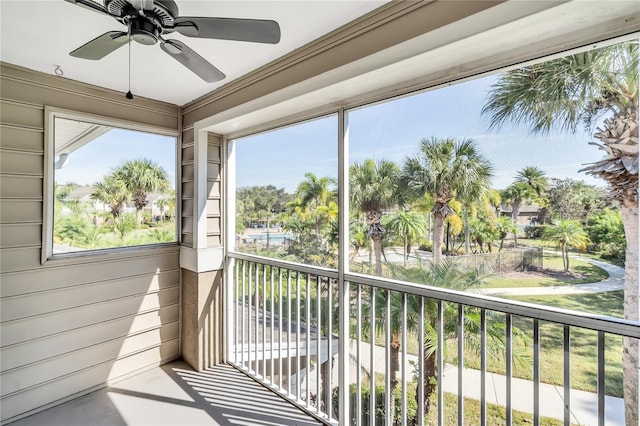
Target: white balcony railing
(287, 331)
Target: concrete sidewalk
(584, 405)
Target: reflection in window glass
(112, 187)
(286, 197)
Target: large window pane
(286, 196)
(113, 187)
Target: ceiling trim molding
(356, 28)
(11, 72)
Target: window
(108, 186)
(286, 196)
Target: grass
(583, 344)
(580, 272)
(496, 414)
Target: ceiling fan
(149, 21)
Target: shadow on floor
(175, 394)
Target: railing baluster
(264, 313)
(440, 358)
(257, 321)
(249, 318)
(329, 378)
(318, 343)
(536, 372)
(289, 324)
(307, 305)
(460, 364)
(244, 314)
(372, 353)
(358, 359)
(298, 331)
(272, 319)
(404, 360)
(280, 325)
(567, 375)
(236, 296)
(387, 360)
(509, 365)
(601, 379)
(483, 366)
(421, 363)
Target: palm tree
(567, 234)
(114, 193)
(443, 168)
(374, 188)
(516, 194)
(535, 178)
(585, 88)
(505, 226)
(409, 226)
(444, 275)
(316, 190)
(140, 177)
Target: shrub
(412, 406)
(534, 232)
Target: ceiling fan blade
(254, 30)
(88, 4)
(190, 59)
(101, 46)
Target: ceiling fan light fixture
(144, 32)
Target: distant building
(527, 216)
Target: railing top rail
(544, 313)
(607, 324)
(298, 267)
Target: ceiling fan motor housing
(145, 26)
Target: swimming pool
(275, 238)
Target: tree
(374, 188)
(443, 168)
(444, 275)
(317, 191)
(140, 177)
(585, 88)
(574, 199)
(607, 233)
(409, 226)
(114, 193)
(505, 226)
(514, 195)
(566, 234)
(534, 178)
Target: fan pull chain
(129, 95)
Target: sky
(392, 130)
(388, 130)
(93, 161)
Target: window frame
(50, 114)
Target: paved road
(614, 282)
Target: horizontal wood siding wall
(74, 324)
(188, 186)
(214, 190)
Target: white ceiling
(40, 34)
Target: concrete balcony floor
(175, 394)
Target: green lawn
(583, 345)
(496, 415)
(580, 272)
